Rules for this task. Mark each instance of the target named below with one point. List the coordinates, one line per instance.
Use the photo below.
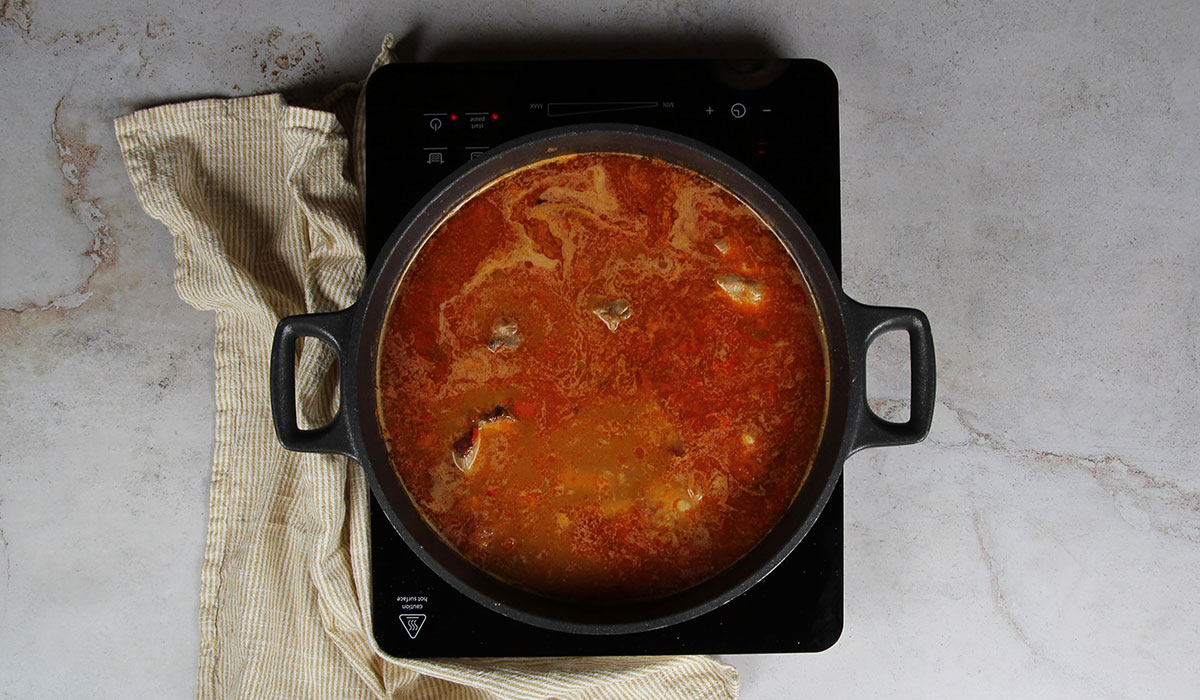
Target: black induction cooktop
(779, 118)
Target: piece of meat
(742, 290)
(613, 313)
(500, 412)
(504, 335)
(465, 449)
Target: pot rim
(849, 425)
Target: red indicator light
(453, 117)
(495, 116)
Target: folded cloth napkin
(265, 211)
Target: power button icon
(738, 110)
(435, 123)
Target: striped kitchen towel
(263, 203)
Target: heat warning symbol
(412, 624)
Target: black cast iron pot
(850, 425)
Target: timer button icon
(738, 110)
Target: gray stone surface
(1026, 173)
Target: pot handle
(333, 329)
(863, 325)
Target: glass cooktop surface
(779, 118)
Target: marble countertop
(1026, 173)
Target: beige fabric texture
(265, 215)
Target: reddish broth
(603, 377)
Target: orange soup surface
(603, 377)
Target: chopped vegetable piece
(524, 408)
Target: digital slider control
(570, 109)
